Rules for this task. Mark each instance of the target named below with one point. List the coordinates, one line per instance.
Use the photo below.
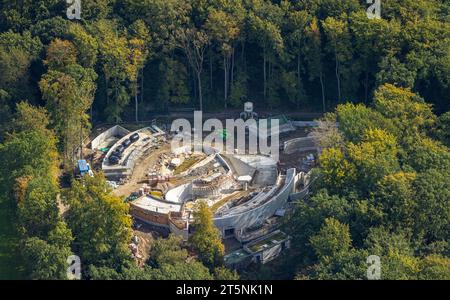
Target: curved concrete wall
(299, 144)
(179, 194)
(238, 167)
(113, 131)
(258, 214)
(125, 169)
(224, 163)
(305, 123)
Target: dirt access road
(140, 171)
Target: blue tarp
(83, 166)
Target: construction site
(248, 194)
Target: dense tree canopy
(308, 55)
(381, 189)
(30, 151)
(99, 221)
(384, 168)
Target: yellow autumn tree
(206, 239)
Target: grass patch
(187, 163)
(219, 203)
(269, 241)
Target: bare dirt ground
(146, 238)
(140, 171)
(145, 233)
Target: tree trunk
(200, 95)
(366, 86)
(265, 75)
(243, 60)
(81, 140)
(225, 79)
(116, 87)
(66, 146)
(210, 71)
(142, 85)
(338, 79)
(106, 90)
(136, 102)
(299, 80)
(323, 92)
(232, 69)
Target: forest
(383, 183)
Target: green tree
(17, 54)
(264, 20)
(86, 45)
(5, 114)
(20, 15)
(46, 258)
(336, 170)
(68, 96)
(355, 119)
(295, 39)
(374, 158)
(393, 71)
(411, 116)
(128, 271)
(14, 65)
(239, 90)
(314, 56)
(173, 87)
(308, 219)
(442, 129)
(347, 265)
(171, 262)
(31, 45)
(222, 273)
(99, 221)
(118, 70)
(27, 153)
(167, 251)
(163, 18)
(193, 42)
(332, 239)
(97, 9)
(426, 154)
(225, 24)
(396, 194)
(206, 239)
(336, 258)
(49, 29)
(38, 211)
(46, 261)
(338, 36)
(375, 40)
(433, 207)
(59, 91)
(182, 271)
(434, 267)
(31, 118)
(395, 252)
(60, 54)
(140, 52)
